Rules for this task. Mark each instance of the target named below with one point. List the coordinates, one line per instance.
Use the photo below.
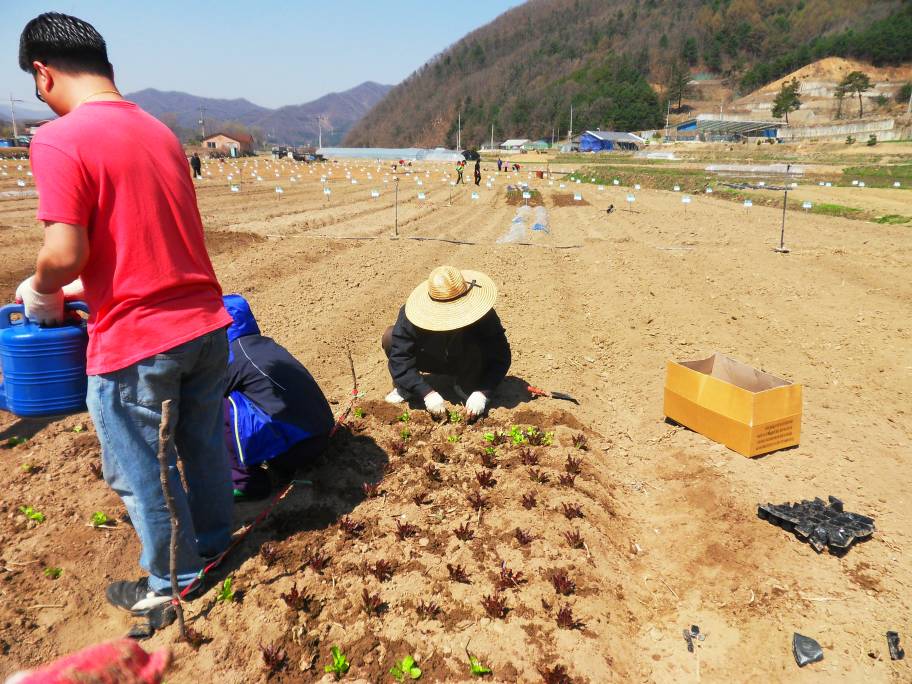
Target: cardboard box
(745, 409)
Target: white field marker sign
(630, 200)
(709, 191)
(577, 197)
(615, 182)
(685, 200)
(861, 184)
(896, 184)
(375, 194)
(235, 188)
(806, 205)
(421, 196)
(828, 184)
(636, 187)
(854, 182)
(327, 192)
(677, 188)
(601, 188)
(20, 183)
(761, 183)
(279, 190)
(489, 185)
(562, 186)
(474, 195)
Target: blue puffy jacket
(273, 400)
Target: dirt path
(670, 525)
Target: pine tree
(787, 100)
(678, 80)
(856, 82)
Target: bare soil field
(656, 532)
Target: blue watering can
(44, 369)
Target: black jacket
(278, 383)
(446, 350)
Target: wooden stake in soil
(165, 435)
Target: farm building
(537, 146)
(514, 144)
(607, 141)
(235, 144)
(708, 128)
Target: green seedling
(452, 439)
(490, 437)
(405, 417)
(225, 593)
(99, 519)
(78, 428)
(30, 468)
(15, 441)
(490, 451)
(405, 434)
(340, 664)
(476, 668)
(53, 572)
(454, 416)
(32, 514)
(517, 436)
(405, 669)
(359, 412)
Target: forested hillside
(612, 58)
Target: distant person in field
(275, 412)
(459, 172)
(197, 165)
(448, 327)
(499, 164)
(478, 172)
(119, 210)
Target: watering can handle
(7, 312)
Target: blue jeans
(126, 408)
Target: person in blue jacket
(275, 411)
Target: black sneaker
(137, 597)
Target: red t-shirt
(121, 173)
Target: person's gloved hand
(476, 404)
(74, 291)
(40, 308)
(434, 404)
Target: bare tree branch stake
(165, 435)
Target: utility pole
(459, 132)
(570, 130)
(319, 132)
(202, 121)
(909, 107)
(667, 115)
(492, 136)
(13, 114)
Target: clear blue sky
(269, 51)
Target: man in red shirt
(119, 209)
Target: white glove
(40, 308)
(434, 404)
(476, 404)
(74, 291)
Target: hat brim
(429, 314)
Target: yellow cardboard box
(745, 409)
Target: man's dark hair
(68, 44)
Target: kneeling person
(275, 411)
(448, 326)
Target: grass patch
(835, 210)
(515, 197)
(893, 219)
(878, 176)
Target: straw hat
(450, 299)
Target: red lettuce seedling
(433, 472)
(567, 480)
(509, 579)
(352, 528)
(572, 511)
(562, 583)
(485, 479)
(495, 606)
(421, 498)
(383, 570)
(574, 466)
(529, 501)
(565, 619)
(317, 562)
(439, 455)
(274, 657)
(371, 489)
(405, 530)
(269, 552)
(464, 532)
(427, 610)
(458, 574)
(399, 447)
(528, 457)
(194, 638)
(524, 538)
(297, 600)
(537, 475)
(373, 604)
(580, 442)
(477, 501)
(489, 459)
(555, 675)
